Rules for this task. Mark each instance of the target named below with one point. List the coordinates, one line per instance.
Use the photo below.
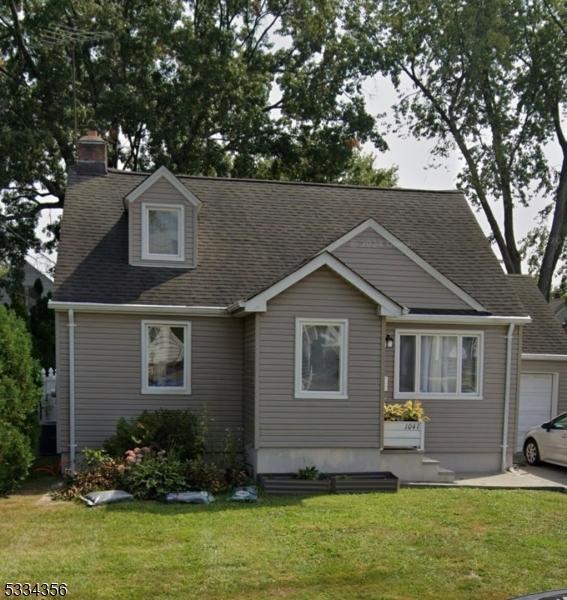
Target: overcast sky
(414, 160)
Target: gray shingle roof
(544, 335)
(253, 232)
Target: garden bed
(289, 483)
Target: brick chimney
(91, 154)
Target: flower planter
(287, 483)
(404, 434)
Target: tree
(20, 393)
(202, 87)
(488, 79)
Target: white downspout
(509, 339)
(72, 444)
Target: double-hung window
(166, 347)
(321, 358)
(438, 364)
(162, 232)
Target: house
(292, 312)
(30, 286)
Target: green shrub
(15, 457)
(154, 477)
(20, 394)
(410, 411)
(175, 431)
(93, 457)
(309, 473)
(206, 475)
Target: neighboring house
(31, 275)
(559, 308)
(290, 311)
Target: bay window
(321, 358)
(165, 357)
(438, 364)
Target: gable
(161, 193)
(400, 277)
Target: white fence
(48, 406)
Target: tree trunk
(556, 235)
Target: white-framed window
(163, 232)
(321, 360)
(438, 364)
(166, 357)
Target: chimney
(91, 154)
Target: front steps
(412, 466)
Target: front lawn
(451, 543)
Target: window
(438, 365)
(165, 357)
(162, 232)
(321, 358)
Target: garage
(537, 393)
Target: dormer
(162, 223)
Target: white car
(547, 443)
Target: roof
(544, 335)
(252, 233)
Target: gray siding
(549, 366)
(249, 358)
(393, 273)
(108, 375)
(285, 421)
(467, 426)
(162, 192)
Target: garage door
(536, 392)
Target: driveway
(542, 477)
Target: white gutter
(509, 339)
(553, 357)
(460, 319)
(72, 444)
(169, 309)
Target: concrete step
(414, 466)
(445, 475)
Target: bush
(106, 474)
(154, 476)
(15, 457)
(175, 431)
(410, 411)
(203, 475)
(20, 394)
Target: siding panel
(393, 273)
(108, 375)
(288, 422)
(469, 425)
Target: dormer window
(162, 232)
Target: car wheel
(531, 452)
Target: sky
(417, 168)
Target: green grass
(451, 543)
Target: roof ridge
(287, 182)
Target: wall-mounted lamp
(389, 341)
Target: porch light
(389, 341)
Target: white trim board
(259, 302)
(460, 319)
(165, 309)
(162, 173)
(404, 249)
(550, 357)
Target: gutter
(506, 419)
(72, 442)
(164, 309)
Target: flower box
(404, 434)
